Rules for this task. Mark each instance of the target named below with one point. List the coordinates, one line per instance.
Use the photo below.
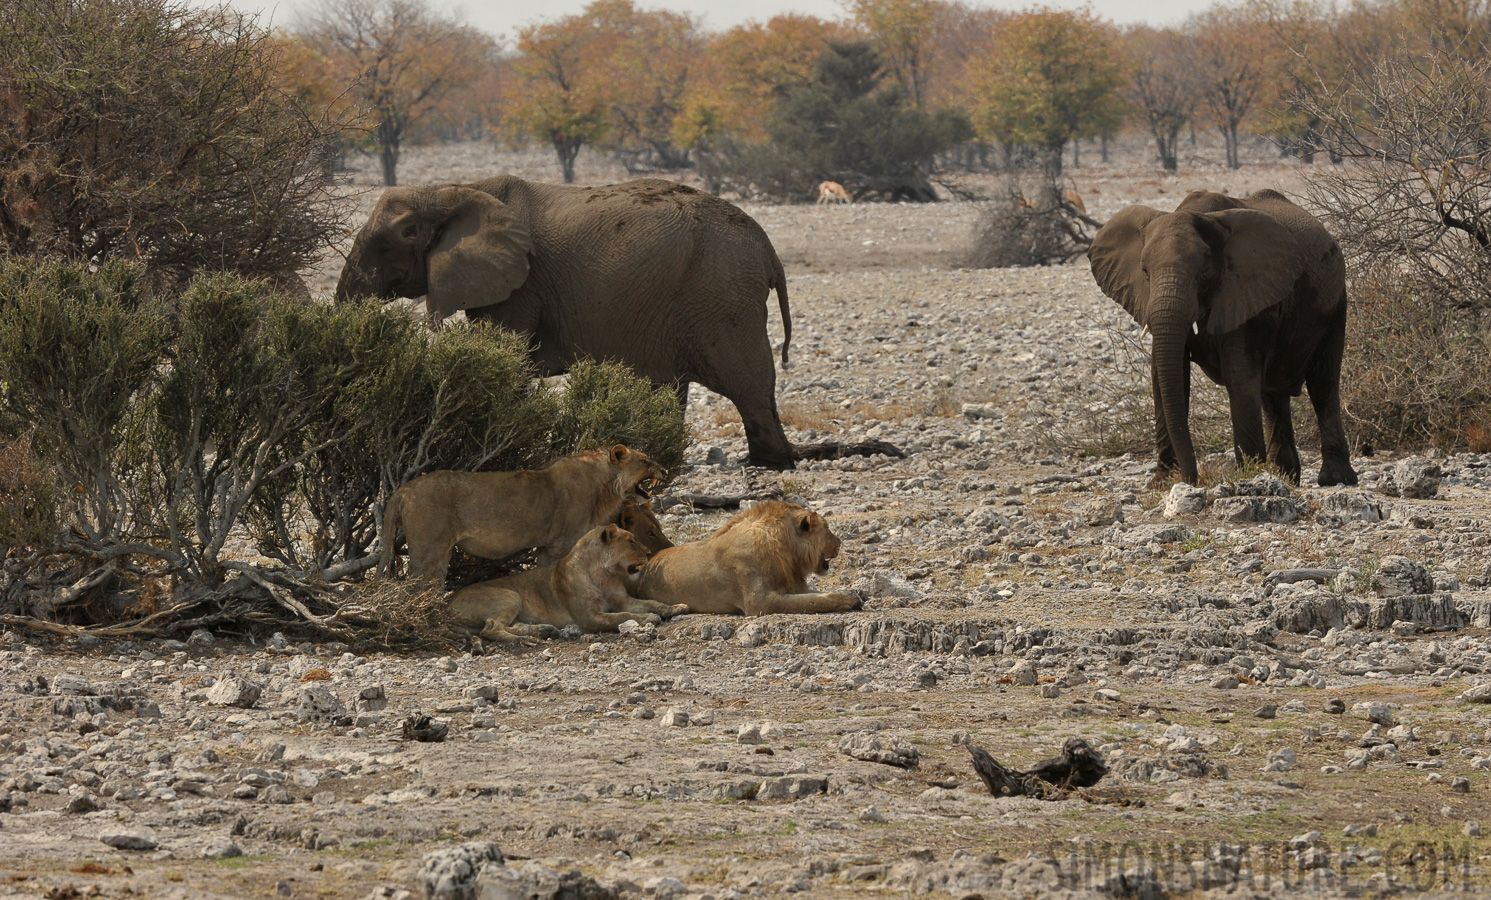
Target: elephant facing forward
(666, 279)
(1254, 292)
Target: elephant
(1254, 292)
(670, 281)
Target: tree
(1048, 78)
(149, 130)
(558, 94)
(747, 69)
(1230, 57)
(648, 59)
(901, 31)
(850, 127)
(401, 59)
(1162, 87)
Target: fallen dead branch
(1078, 766)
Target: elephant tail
(392, 513)
(779, 281)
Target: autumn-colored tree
(1163, 87)
(1049, 77)
(558, 93)
(401, 58)
(961, 35)
(648, 58)
(901, 32)
(744, 71)
(473, 111)
(1230, 57)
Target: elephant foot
(1333, 473)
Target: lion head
(640, 520)
(610, 548)
(800, 540)
(636, 473)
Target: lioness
(497, 514)
(756, 564)
(637, 517)
(586, 588)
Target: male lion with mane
(496, 514)
(758, 563)
(586, 588)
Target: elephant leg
(681, 388)
(1245, 397)
(1166, 466)
(1324, 384)
(749, 380)
(1279, 422)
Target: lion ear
(607, 533)
(805, 522)
(619, 453)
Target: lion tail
(392, 513)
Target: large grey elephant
(666, 279)
(1254, 292)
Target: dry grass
(406, 613)
(1121, 413)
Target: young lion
(587, 588)
(756, 564)
(637, 517)
(497, 514)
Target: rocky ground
(1287, 685)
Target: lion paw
(681, 609)
(647, 619)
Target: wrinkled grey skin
(1254, 292)
(668, 280)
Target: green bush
(78, 353)
(248, 411)
(605, 404)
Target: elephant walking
(1254, 292)
(666, 279)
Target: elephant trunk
(354, 281)
(1174, 313)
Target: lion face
(637, 472)
(823, 543)
(621, 550)
(640, 520)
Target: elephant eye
(409, 232)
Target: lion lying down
(586, 588)
(496, 514)
(757, 563)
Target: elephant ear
(480, 253)
(1260, 262)
(1115, 256)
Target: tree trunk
(567, 149)
(1076, 153)
(1234, 157)
(1103, 145)
(388, 134)
(1054, 153)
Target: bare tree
(401, 57)
(1163, 88)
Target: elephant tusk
(1195, 328)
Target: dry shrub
(28, 495)
(1416, 371)
(1032, 225)
(406, 613)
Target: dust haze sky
(501, 17)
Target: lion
(637, 517)
(756, 564)
(586, 588)
(497, 514)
